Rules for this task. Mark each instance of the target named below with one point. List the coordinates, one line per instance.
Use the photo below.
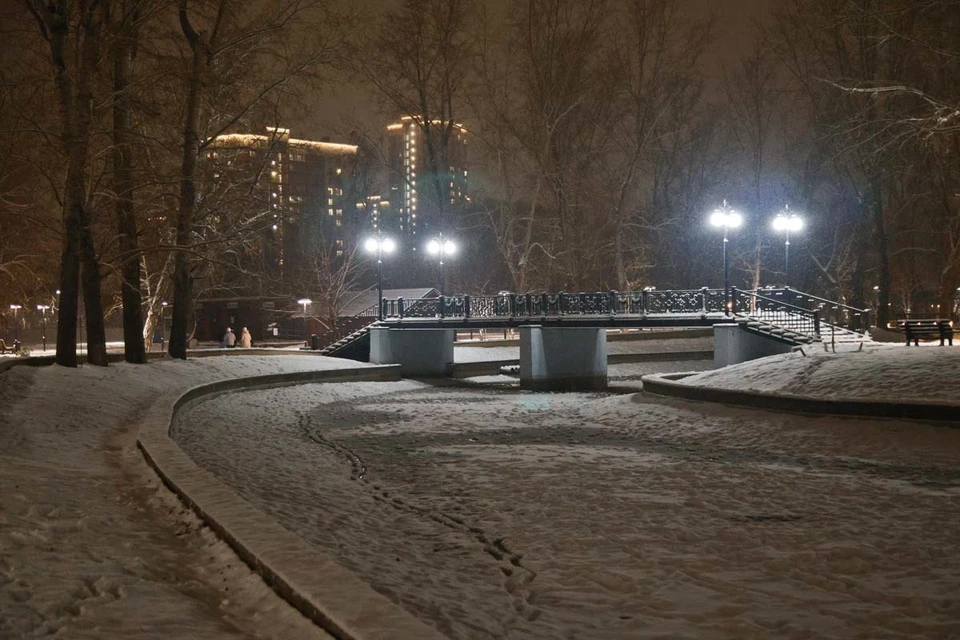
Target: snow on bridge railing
(605, 303)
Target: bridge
(562, 335)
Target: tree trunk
(883, 260)
(76, 114)
(182, 280)
(90, 272)
(133, 347)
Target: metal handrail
(785, 315)
(831, 304)
(532, 305)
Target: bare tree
(417, 60)
(234, 37)
(69, 27)
(660, 54)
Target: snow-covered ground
(488, 511)
(91, 544)
(878, 372)
(495, 513)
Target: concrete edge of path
(322, 590)
(668, 385)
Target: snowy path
(91, 545)
(499, 513)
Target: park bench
(913, 329)
(14, 348)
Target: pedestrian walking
(229, 338)
(245, 340)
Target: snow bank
(881, 372)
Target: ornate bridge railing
(695, 302)
(785, 308)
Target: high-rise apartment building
(295, 202)
(302, 186)
(422, 177)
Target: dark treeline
(598, 145)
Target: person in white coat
(245, 340)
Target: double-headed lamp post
(306, 325)
(379, 245)
(727, 218)
(787, 222)
(42, 308)
(16, 324)
(441, 248)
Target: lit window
(329, 200)
(339, 170)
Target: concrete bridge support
(562, 358)
(419, 352)
(733, 345)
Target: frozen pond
(495, 513)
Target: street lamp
(16, 325)
(306, 326)
(727, 218)
(785, 222)
(440, 248)
(43, 309)
(163, 308)
(379, 245)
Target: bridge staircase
(796, 318)
(356, 345)
(774, 331)
(353, 346)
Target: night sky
(340, 107)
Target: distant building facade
(297, 197)
(302, 187)
(413, 181)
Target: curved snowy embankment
(883, 373)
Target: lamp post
(440, 248)
(163, 308)
(379, 245)
(727, 218)
(42, 308)
(16, 324)
(306, 326)
(785, 222)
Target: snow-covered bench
(913, 329)
(14, 348)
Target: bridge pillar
(419, 352)
(562, 358)
(733, 345)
